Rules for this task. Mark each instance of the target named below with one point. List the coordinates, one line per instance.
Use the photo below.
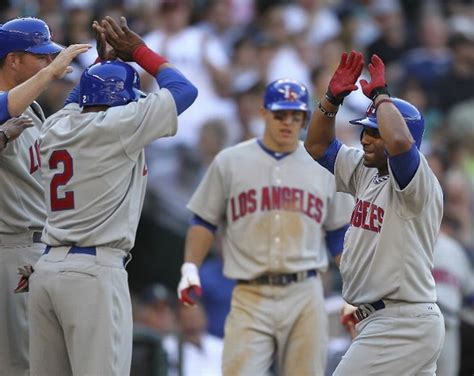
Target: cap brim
(288, 105)
(50, 48)
(364, 122)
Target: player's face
(374, 149)
(30, 64)
(282, 129)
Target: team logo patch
(288, 93)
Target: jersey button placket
(276, 257)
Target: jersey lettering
(246, 204)
(35, 160)
(276, 198)
(367, 216)
(60, 179)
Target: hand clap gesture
(344, 79)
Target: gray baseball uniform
(21, 222)
(454, 281)
(94, 175)
(274, 211)
(388, 256)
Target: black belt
(37, 237)
(279, 279)
(365, 310)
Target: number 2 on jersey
(61, 178)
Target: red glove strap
(147, 59)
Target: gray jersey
(94, 170)
(22, 197)
(388, 249)
(274, 213)
(453, 275)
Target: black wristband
(325, 111)
(379, 90)
(332, 99)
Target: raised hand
(104, 51)
(13, 127)
(377, 84)
(60, 65)
(122, 39)
(344, 78)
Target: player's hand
(122, 39)
(60, 65)
(104, 51)
(190, 283)
(14, 127)
(344, 78)
(377, 84)
(348, 319)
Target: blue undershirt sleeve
(404, 166)
(4, 114)
(182, 90)
(335, 240)
(328, 160)
(197, 220)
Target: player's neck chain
(380, 179)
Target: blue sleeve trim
(469, 300)
(335, 240)
(73, 96)
(197, 220)
(4, 114)
(182, 90)
(404, 166)
(328, 160)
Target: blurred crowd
(230, 49)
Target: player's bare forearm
(392, 127)
(199, 240)
(21, 96)
(321, 131)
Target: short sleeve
(210, 198)
(348, 169)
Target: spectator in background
(393, 40)
(193, 352)
(250, 123)
(153, 318)
(432, 58)
(412, 91)
(201, 58)
(457, 84)
(154, 309)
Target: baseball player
(26, 69)
(278, 211)
(94, 173)
(454, 279)
(388, 249)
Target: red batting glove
(348, 319)
(344, 78)
(377, 84)
(190, 283)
